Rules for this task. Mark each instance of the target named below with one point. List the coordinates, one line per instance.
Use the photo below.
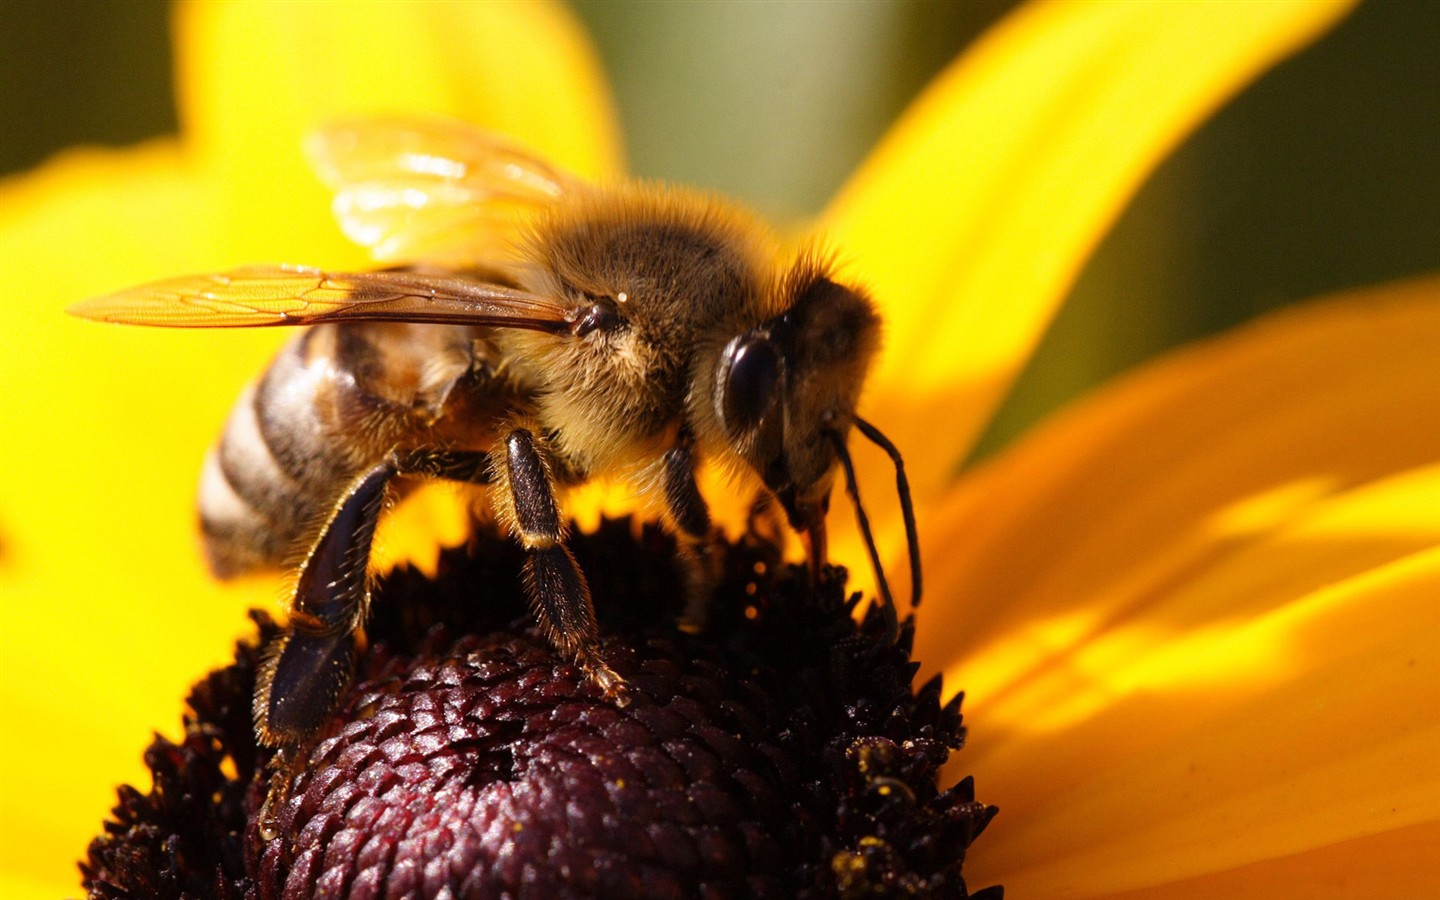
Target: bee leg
(692, 524)
(557, 587)
(311, 665)
(468, 466)
(308, 668)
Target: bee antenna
(907, 507)
(853, 489)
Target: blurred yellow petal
(973, 217)
(17, 887)
(255, 78)
(1202, 605)
(103, 427)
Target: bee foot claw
(608, 681)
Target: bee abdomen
(270, 479)
(238, 538)
(336, 400)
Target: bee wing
(433, 190)
(295, 295)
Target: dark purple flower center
(781, 752)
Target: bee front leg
(558, 590)
(692, 523)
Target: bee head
(785, 391)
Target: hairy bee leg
(283, 768)
(468, 466)
(312, 664)
(558, 590)
(692, 523)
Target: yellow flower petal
(1307, 727)
(1394, 863)
(104, 427)
(1211, 587)
(973, 217)
(14, 886)
(1133, 489)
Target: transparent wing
(432, 189)
(295, 295)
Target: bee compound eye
(601, 315)
(751, 370)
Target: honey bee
(536, 331)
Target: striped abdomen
(335, 401)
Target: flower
(1184, 612)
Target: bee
(534, 331)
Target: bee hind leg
(558, 590)
(307, 670)
(310, 666)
